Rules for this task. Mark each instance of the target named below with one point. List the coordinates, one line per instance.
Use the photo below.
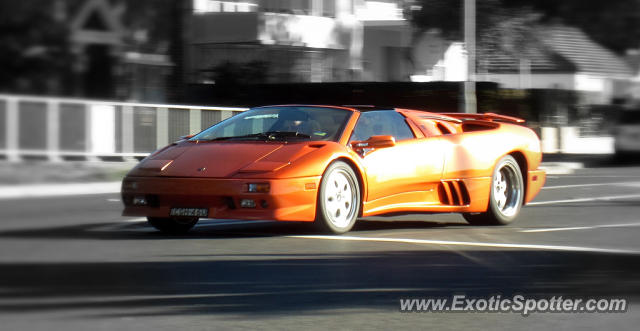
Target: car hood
(221, 159)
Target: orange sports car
(330, 165)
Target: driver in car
(294, 121)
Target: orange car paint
(434, 172)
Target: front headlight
(258, 187)
(129, 185)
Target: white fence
(57, 128)
(568, 141)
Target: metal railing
(56, 128)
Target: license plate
(197, 212)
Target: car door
(411, 166)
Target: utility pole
(470, 103)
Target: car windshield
(280, 123)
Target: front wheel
(173, 225)
(338, 202)
(506, 197)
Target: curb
(52, 190)
(561, 168)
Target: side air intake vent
(453, 193)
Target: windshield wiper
(269, 135)
(253, 135)
(286, 134)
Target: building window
(212, 6)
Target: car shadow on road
(208, 230)
(279, 285)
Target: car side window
(381, 123)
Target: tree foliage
(613, 24)
(33, 47)
(501, 28)
(447, 16)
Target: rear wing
(491, 117)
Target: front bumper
(292, 199)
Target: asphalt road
(72, 263)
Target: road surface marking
(589, 185)
(622, 225)
(570, 165)
(559, 229)
(605, 198)
(467, 243)
(595, 176)
(135, 220)
(119, 225)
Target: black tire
(506, 195)
(338, 202)
(173, 225)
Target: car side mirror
(187, 137)
(374, 142)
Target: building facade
(295, 41)
(560, 57)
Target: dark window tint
(381, 123)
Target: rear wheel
(506, 197)
(173, 225)
(338, 199)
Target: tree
(502, 29)
(613, 24)
(514, 34)
(446, 16)
(33, 48)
